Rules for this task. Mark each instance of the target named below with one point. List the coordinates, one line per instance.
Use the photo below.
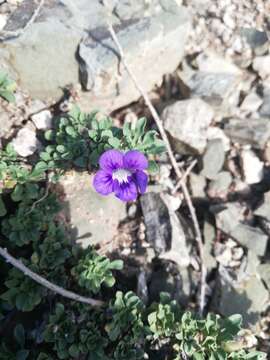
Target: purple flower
(122, 174)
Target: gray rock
(264, 209)
(213, 87)
(42, 120)
(157, 221)
(265, 108)
(248, 298)
(186, 122)
(229, 221)
(26, 142)
(220, 186)
(261, 64)
(264, 272)
(252, 102)
(209, 234)
(5, 123)
(94, 218)
(255, 132)
(257, 40)
(197, 185)
(166, 232)
(213, 158)
(59, 57)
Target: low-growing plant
(7, 87)
(93, 270)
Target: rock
(214, 132)
(197, 185)
(157, 222)
(255, 132)
(26, 142)
(264, 209)
(94, 219)
(265, 108)
(209, 234)
(228, 219)
(42, 120)
(252, 167)
(3, 21)
(213, 158)
(89, 55)
(5, 123)
(219, 187)
(186, 122)
(264, 272)
(165, 231)
(181, 236)
(257, 40)
(252, 102)
(261, 64)
(247, 297)
(213, 87)
(210, 62)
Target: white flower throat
(121, 175)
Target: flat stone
(255, 132)
(229, 220)
(186, 122)
(213, 158)
(261, 64)
(255, 38)
(264, 272)
(42, 120)
(219, 187)
(252, 102)
(94, 218)
(157, 221)
(69, 44)
(25, 142)
(248, 298)
(197, 183)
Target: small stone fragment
(261, 64)
(186, 122)
(213, 158)
(252, 102)
(3, 21)
(25, 143)
(255, 132)
(197, 185)
(219, 187)
(252, 167)
(43, 120)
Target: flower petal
(127, 191)
(111, 160)
(103, 182)
(141, 180)
(135, 160)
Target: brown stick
(6, 34)
(164, 136)
(40, 280)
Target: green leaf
(114, 142)
(49, 135)
(117, 265)
(153, 167)
(70, 131)
(3, 210)
(7, 95)
(74, 351)
(17, 193)
(19, 335)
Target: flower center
(121, 175)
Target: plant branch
(178, 172)
(6, 34)
(40, 280)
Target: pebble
(3, 21)
(252, 167)
(26, 142)
(42, 120)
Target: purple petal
(135, 160)
(111, 160)
(103, 182)
(127, 191)
(141, 179)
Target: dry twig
(184, 177)
(40, 280)
(164, 136)
(6, 34)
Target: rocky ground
(215, 105)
